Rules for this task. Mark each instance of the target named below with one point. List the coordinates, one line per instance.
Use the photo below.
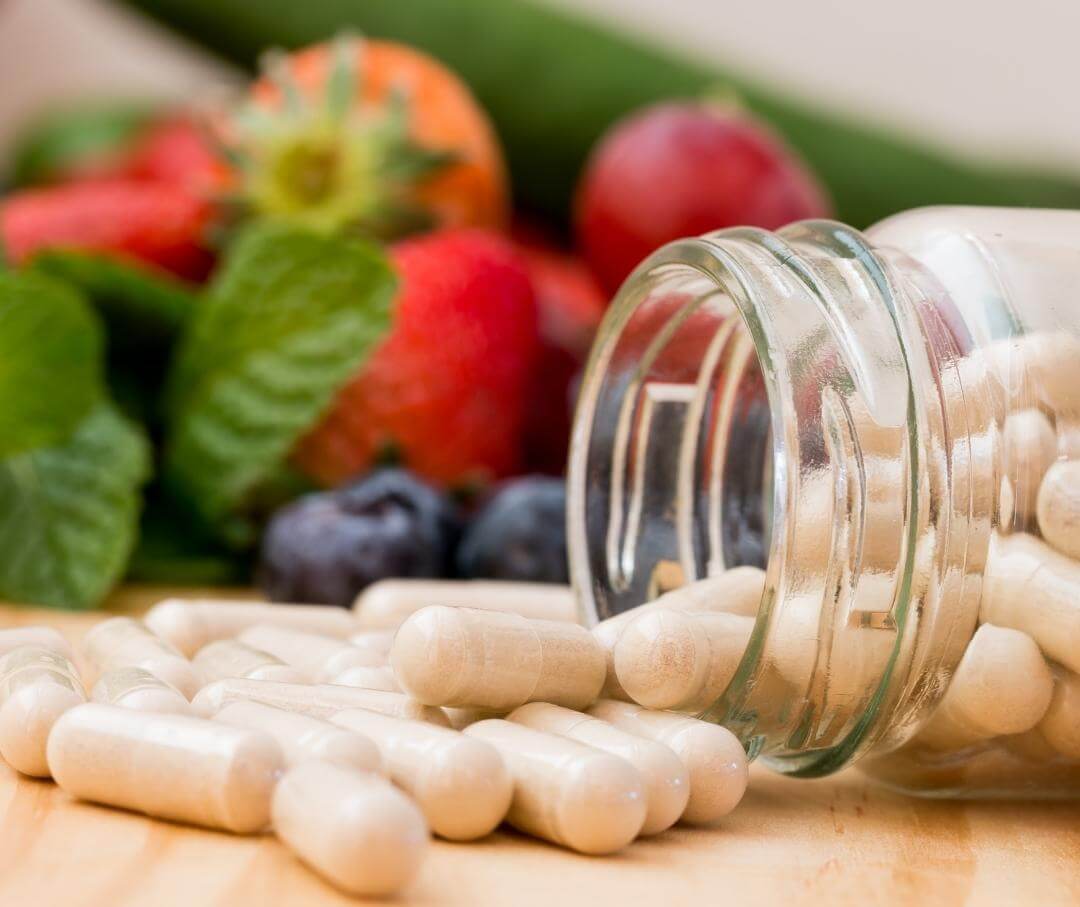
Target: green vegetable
(288, 319)
(553, 83)
(144, 313)
(50, 361)
(69, 513)
(65, 141)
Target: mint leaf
(287, 321)
(144, 314)
(69, 512)
(50, 361)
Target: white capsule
(321, 658)
(736, 591)
(712, 755)
(1001, 686)
(37, 685)
(566, 792)
(318, 700)
(170, 766)
(189, 624)
(1060, 726)
(679, 660)
(379, 641)
(1059, 507)
(386, 604)
(135, 688)
(227, 658)
(378, 678)
(1031, 587)
(462, 718)
(357, 830)
(460, 784)
(486, 659)
(1029, 447)
(305, 739)
(121, 641)
(667, 782)
(43, 637)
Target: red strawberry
(571, 305)
(154, 223)
(176, 151)
(447, 390)
(683, 169)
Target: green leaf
(69, 513)
(50, 361)
(289, 318)
(144, 314)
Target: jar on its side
(889, 423)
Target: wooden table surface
(836, 842)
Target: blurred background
(313, 317)
(984, 79)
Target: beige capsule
(225, 658)
(1002, 685)
(169, 766)
(385, 605)
(374, 641)
(1060, 726)
(189, 624)
(566, 792)
(667, 782)
(368, 678)
(121, 641)
(462, 718)
(680, 660)
(1058, 507)
(713, 756)
(1029, 448)
(135, 688)
(42, 637)
(318, 700)
(736, 591)
(357, 830)
(37, 686)
(470, 658)
(460, 784)
(303, 738)
(320, 658)
(1030, 587)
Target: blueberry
(520, 534)
(326, 547)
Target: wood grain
(838, 841)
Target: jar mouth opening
(688, 454)
(673, 390)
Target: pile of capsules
(442, 706)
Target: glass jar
(884, 421)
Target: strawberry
(446, 391)
(366, 137)
(153, 223)
(570, 305)
(176, 151)
(683, 169)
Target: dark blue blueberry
(520, 534)
(328, 546)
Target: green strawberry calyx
(329, 163)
